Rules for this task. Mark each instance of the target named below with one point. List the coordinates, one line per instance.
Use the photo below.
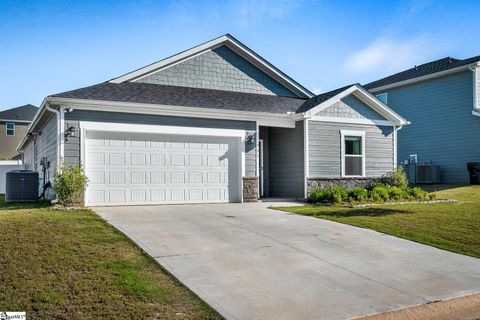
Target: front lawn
(73, 265)
(450, 226)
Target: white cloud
(392, 55)
(316, 90)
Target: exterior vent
(21, 186)
(427, 173)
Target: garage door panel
(157, 169)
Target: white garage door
(129, 168)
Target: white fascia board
(231, 43)
(420, 79)
(263, 118)
(353, 121)
(364, 96)
(36, 118)
(15, 121)
(160, 129)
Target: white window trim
(382, 94)
(353, 133)
(6, 129)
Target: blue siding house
(441, 101)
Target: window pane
(10, 126)
(353, 145)
(353, 166)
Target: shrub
(358, 194)
(396, 193)
(337, 194)
(70, 184)
(396, 178)
(418, 193)
(379, 192)
(316, 195)
(334, 194)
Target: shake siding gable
(219, 69)
(350, 107)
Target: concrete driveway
(251, 262)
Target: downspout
(395, 146)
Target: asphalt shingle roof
(316, 100)
(184, 96)
(22, 113)
(422, 70)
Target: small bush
(333, 194)
(358, 194)
(70, 185)
(379, 192)
(418, 193)
(396, 178)
(396, 193)
(316, 195)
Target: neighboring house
(216, 123)
(13, 127)
(441, 99)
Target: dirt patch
(462, 308)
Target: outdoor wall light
(249, 136)
(70, 132)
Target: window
(383, 97)
(353, 153)
(10, 128)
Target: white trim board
(352, 121)
(233, 44)
(143, 128)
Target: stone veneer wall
(250, 189)
(348, 183)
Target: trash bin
(474, 171)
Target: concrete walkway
(251, 262)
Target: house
(441, 99)
(13, 127)
(215, 123)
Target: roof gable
(23, 113)
(219, 69)
(356, 92)
(230, 45)
(352, 108)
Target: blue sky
(48, 46)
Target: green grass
(73, 265)
(449, 226)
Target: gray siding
(72, 118)
(350, 107)
(71, 149)
(47, 147)
(220, 69)
(286, 164)
(28, 157)
(443, 129)
(325, 149)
